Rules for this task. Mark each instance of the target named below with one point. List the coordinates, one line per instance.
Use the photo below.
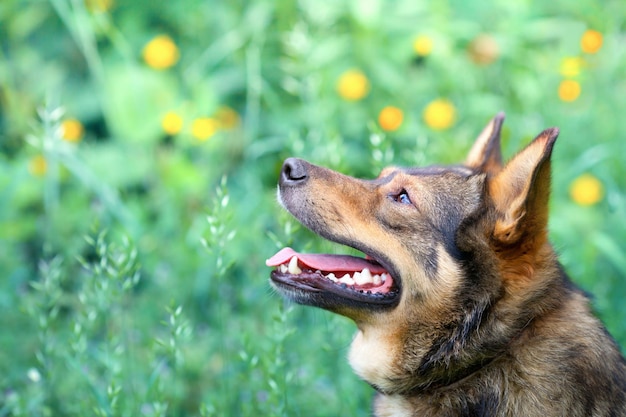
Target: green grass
(133, 276)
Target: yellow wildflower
(203, 128)
(227, 117)
(586, 190)
(172, 123)
(390, 118)
(423, 45)
(439, 114)
(72, 130)
(38, 166)
(99, 5)
(569, 90)
(484, 50)
(353, 85)
(161, 52)
(571, 66)
(591, 41)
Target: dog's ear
(485, 154)
(521, 190)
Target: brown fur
(487, 323)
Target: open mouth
(360, 280)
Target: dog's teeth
(384, 277)
(346, 279)
(293, 266)
(377, 280)
(332, 277)
(364, 277)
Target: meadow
(140, 146)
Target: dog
(461, 305)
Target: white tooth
(293, 266)
(383, 277)
(283, 269)
(366, 277)
(357, 277)
(346, 279)
(332, 277)
(377, 280)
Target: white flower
(34, 375)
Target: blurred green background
(140, 145)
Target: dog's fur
(484, 321)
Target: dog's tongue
(327, 263)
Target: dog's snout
(294, 172)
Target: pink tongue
(327, 263)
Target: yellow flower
(203, 128)
(390, 118)
(439, 114)
(591, 41)
(72, 130)
(99, 5)
(227, 117)
(161, 52)
(484, 50)
(586, 190)
(423, 45)
(571, 66)
(172, 123)
(353, 85)
(38, 166)
(569, 90)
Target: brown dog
(461, 306)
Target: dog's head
(444, 245)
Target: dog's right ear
(521, 190)
(485, 154)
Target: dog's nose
(294, 172)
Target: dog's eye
(403, 198)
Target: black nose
(294, 172)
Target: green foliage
(169, 312)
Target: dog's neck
(456, 353)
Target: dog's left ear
(485, 154)
(521, 190)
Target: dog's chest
(372, 357)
